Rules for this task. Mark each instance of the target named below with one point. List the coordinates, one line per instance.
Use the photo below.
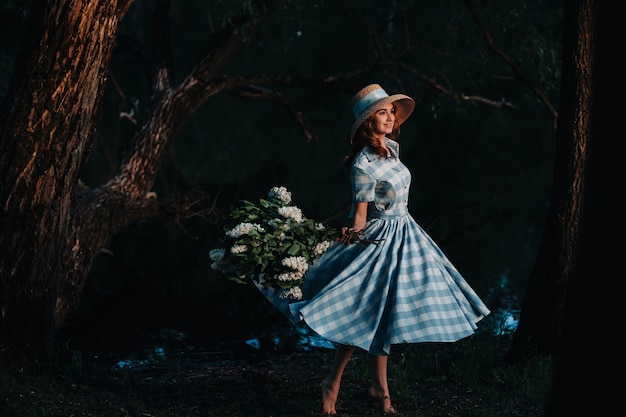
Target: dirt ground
(232, 381)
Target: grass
(464, 379)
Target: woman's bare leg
(379, 389)
(330, 384)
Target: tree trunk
(53, 226)
(590, 366)
(126, 197)
(48, 120)
(539, 329)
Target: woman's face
(384, 118)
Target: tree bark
(590, 365)
(539, 329)
(127, 196)
(53, 226)
(47, 123)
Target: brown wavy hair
(364, 136)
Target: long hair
(364, 136)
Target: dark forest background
(129, 128)
(480, 146)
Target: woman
(401, 289)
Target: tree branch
(162, 49)
(460, 96)
(260, 92)
(516, 68)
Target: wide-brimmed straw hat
(373, 97)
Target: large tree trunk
(53, 226)
(48, 120)
(590, 366)
(127, 196)
(539, 328)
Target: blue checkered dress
(401, 290)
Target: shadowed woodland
(129, 128)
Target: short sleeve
(363, 185)
(363, 188)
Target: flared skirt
(402, 289)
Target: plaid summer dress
(400, 290)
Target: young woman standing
(402, 289)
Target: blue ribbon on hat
(367, 100)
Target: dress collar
(393, 146)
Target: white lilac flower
(274, 231)
(293, 293)
(291, 212)
(290, 276)
(297, 263)
(321, 247)
(280, 193)
(238, 249)
(244, 229)
(217, 254)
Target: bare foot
(385, 401)
(329, 398)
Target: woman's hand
(352, 234)
(348, 235)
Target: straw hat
(373, 97)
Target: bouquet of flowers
(272, 243)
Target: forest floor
(235, 381)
